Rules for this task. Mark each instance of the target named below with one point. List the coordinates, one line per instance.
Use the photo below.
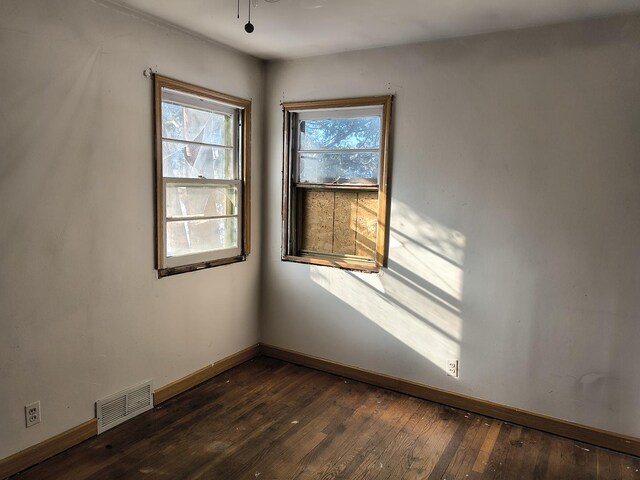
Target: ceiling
(299, 28)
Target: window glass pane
(201, 201)
(183, 160)
(339, 168)
(186, 123)
(197, 236)
(340, 133)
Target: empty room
(320, 239)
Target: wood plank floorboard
(271, 420)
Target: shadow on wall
(418, 299)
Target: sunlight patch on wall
(418, 298)
(359, 292)
(433, 251)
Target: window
(335, 182)
(202, 177)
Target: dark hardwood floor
(268, 419)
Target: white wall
(514, 221)
(82, 313)
(516, 199)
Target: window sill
(337, 263)
(166, 272)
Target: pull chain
(249, 27)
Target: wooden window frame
(290, 252)
(243, 158)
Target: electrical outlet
(452, 368)
(32, 414)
